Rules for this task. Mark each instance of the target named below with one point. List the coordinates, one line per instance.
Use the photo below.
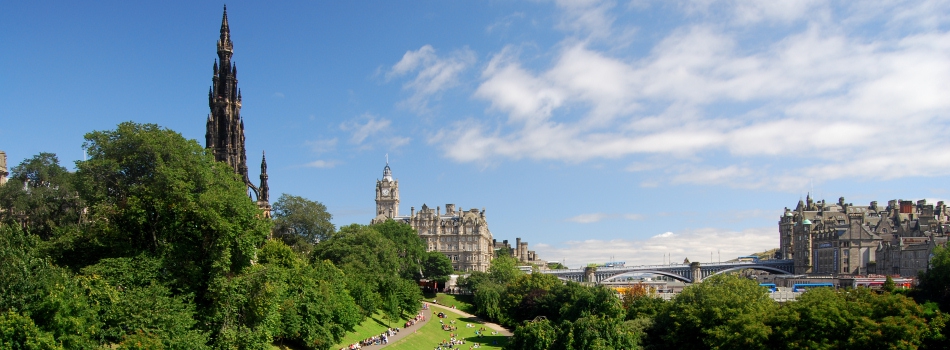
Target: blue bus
(614, 264)
(801, 287)
(771, 286)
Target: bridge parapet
(683, 272)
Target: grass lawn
(461, 302)
(431, 334)
(371, 326)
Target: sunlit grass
(369, 327)
(431, 334)
(461, 302)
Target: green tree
(409, 247)
(150, 191)
(825, 318)
(538, 334)
(436, 266)
(316, 308)
(722, 312)
(56, 302)
(487, 300)
(40, 195)
(18, 332)
(504, 269)
(524, 297)
(935, 283)
(597, 332)
(889, 285)
(300, 222)
(373, 265)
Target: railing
(673, 266)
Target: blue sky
(595, 130)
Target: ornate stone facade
(463, 236)
(520, 251)
(845, 239)
(224, 134)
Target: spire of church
(264, 189)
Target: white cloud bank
(696, 245)
(822, 100)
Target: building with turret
(843, 239)
(462, 235)
(224, 135)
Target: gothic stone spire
(264, 189)
(225, 127)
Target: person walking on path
(404, 332)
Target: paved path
(405, 332)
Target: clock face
(385, 191)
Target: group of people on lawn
(452, 342)
(383, 338)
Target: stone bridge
(689, 273)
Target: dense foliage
(300, 222)
(151, 244)
(722, 312)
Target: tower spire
(264, 189)
(225, 30)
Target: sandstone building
(844, 239)
(462, 235)
(520, 251)
(224, 134)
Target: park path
(405, 332)
(428, 313)
(501, 330)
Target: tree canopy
(300, 222)
(153, 244)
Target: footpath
(404, 332)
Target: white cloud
(696, 245)
(368, 132)
(821, 101)
(753, 11)
(322, 164)
(590, 17)
(369, 127)
(588, 218)
(505, 22)
(435, 73)
(279, 94)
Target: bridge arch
(655, 272)
(754, 267)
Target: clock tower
(387, 194)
